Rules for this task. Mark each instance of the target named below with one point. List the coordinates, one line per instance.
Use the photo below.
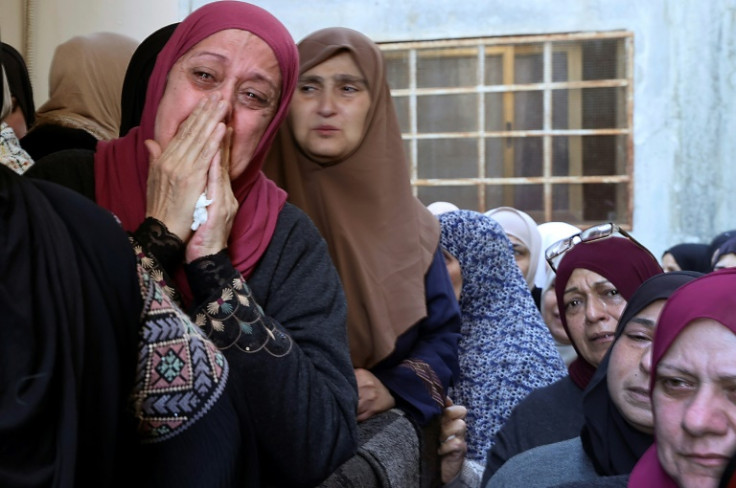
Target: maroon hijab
(121, 165)
(708, 297)
(622, 262)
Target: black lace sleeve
(158, 252)
(156, 240)
(227, 310)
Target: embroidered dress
(275, 278)
(11, 154)
(180, 374)
(282, 333)
(79, 306)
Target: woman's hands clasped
(194, 161)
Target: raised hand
(178, 173)
(453, 447)
(211, 236)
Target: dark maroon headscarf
(622, 262)
(610, 441)
(708, 297)
(121, 165)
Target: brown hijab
(380, 236)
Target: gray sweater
(545, 466)
(294, 394)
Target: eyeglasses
(556, 251)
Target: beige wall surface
(36, 27)
(11, 22)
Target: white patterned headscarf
(506, 350)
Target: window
(539, 123)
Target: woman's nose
(326, 104)
(595, 310)
(704, 415)
(646, 361)
(228, 114)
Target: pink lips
(710, 460)
(601, 337)
(326, 129)
(640, 394)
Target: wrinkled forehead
(209, 20)
(209, 43)
(707, 297)
(231, 45)
(701, 343)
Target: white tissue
(200, 211)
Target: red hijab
(708, 297)
(622, 262)
(121, 165)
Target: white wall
(685, 77)
(51, 22)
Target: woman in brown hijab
(85, 86)
(341, 159)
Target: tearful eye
(253, 99)
(202, 78)
(572, 305)
(675, 386)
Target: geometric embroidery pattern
(169, 365)
(180, 373)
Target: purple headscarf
(708, 297)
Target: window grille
(540, 123)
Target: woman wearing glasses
(618, 415)
(598, 271)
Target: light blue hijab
(506, 350)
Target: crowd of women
(215, 273)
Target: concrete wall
(684, 96)
(685, 76)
